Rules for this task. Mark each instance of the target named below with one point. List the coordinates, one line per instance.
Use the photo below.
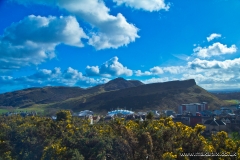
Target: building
(188, 120)
(214, 125)
(120, 111)
(192, 108)
(194, 120)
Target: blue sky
(84, 43)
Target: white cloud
(45, 77)
(140, 73)
(71, 73)
(114, 33)
(33, 39)
(209, 74)
(156, 70)
(214, 64)
(108, 31)
(109, 68)
(214, 50)
(92, 70)
(174, 69)
(218, 80)
(213, 36)
(147, 5)
(213, 74)
(161, 70)
(153, 71)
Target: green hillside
(158, 96)
(118, 93)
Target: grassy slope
(232, 102)
(142, 97)
(29, 97)
(145, 97)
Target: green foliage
(235, 136)
(63, 115)
(41, 138)
(150, 116)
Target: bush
(74, 138)
(64, 115)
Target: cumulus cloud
(214, 64)
(214, 50)
(156, 70)
(209, 74)
(140, 73)
(213, 36)
(92, 70)
(55, 77)
(161, 70)
(202, 79)
(153, 71)
(213, 74)
(109, 68)
(218, 80)
(147, 5)
(33, 39)
(108, 31)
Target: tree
(150, 116)
(64, 115)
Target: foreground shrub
(74, 138)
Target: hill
(117, 93)
(159, 96)
(120, 83)
(29, 97)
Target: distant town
(224, 119)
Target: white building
(192, 108)
(120, 111)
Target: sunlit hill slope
(118, 93)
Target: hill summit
(121, 83)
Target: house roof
(208, 121)
(214, 122)
(220, 122)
